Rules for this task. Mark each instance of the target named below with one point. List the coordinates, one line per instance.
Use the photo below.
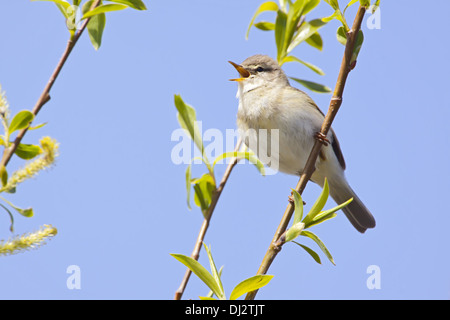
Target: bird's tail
(356, 211)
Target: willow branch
(201, 235)
(334, 106)
(45, 95)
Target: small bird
(267, 101)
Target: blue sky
(119, 202)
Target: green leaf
(280, 31)
(3, 175)
(329, 18)
(76, 2)
(338, 16)
(25, 212)
(21, 121)
(27, 151)
(322, 219)
(188, 184)
(310, 5)
(210, 293)
(293, 19)
(294, 231)
(313, 86)
(249, 285)
(358, 45)
(204, 178)
(204, 188)
(38, 126)
(315, 41)
(283, 4)
(333, 3)
(311, 252)
(266, 6)
(306, 30)
(250, 156)
(135, 4)
(199, 271)
(298, 203)
(199, 199)
(95, 26)
(341, 35)
(327, 214)
(87, 6)
(102, 9)
(188, 121)
(189, 181)
(319, 242)
(265, 26)
(319, 204)
(214, 272)
(306, 64)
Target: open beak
(242, 72)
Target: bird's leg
(322, 138)
(291, 198)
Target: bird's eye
(260, 69)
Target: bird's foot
(322, 138)
(291, 199)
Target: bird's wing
(337, 150)
(335, 143)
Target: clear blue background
(119, 202)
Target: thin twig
(335, 103)
(45, 95)
(201, 235)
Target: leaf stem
(335, 104)
(201, 235)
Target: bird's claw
(322, 138)
(291, 199)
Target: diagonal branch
(335, 104)
(45, 95)
(201, 235)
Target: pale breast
(279, 130)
